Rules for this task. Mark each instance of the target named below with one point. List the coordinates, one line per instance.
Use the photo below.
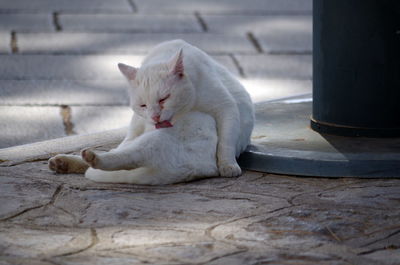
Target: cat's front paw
(229, 169)
(58, 164)
(90, 157)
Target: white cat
(189, 110)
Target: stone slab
(114, 92)
(283, 43)
(74, 67)
(149, 208)
(391, 257)
(262, 90)
(25, 22)
(63, 67)
(45, 6)
(33, 243)
(275, 34)
(97, 119)
(63, 92)
(126, 42)
(5, 42)
(137, 23)
(225, 6)
(22, 195)
(21, 125)
(276, 66)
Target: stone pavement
(254, 219)
(58, 77)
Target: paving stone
(97, 119)
(25, 22)
(126, 43)
(10, 260)
(364, 195)
(21, 125)
(74, 67)
(275, 34)
(34, 243)
(136, 237)
(114, 92)
(83, 6)
(101, 259)
(225, 6)
(389, 256)
(63, 92)
(142, 209)
(193, 251)
(64, 67)
(262, 90)
(19, 195)
(5, 42)
(129, 23)
(276, 66)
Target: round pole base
(284, 143)
(341, 130)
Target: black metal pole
(356, 65)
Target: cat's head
(160, 92)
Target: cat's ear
(176, 64)
(128, 71)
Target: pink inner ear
(178, 67)
(128, 71)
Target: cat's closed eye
(143, 105)
(161, 101)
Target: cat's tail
(142, 175)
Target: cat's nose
(156, 118)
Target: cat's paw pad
(229, 170)
(58, 164)
(90, 157)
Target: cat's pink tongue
(163, 124)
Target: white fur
(206, 87)
(183, 152)
(211, 113)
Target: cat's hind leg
(65, 164)
(147, 150)
(122, 158)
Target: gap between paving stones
(56, 22)
(65, 112)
